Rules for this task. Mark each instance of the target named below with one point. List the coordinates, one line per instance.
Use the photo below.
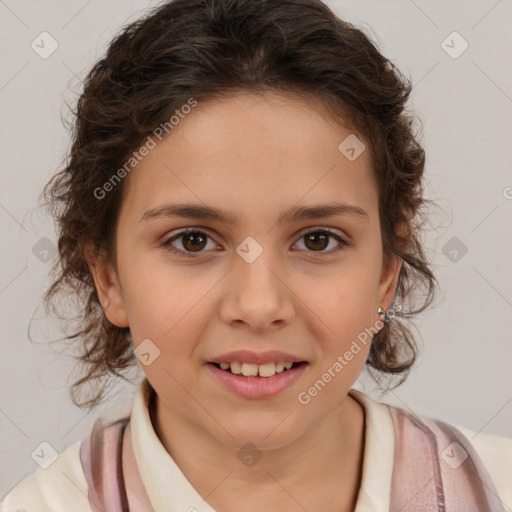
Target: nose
(258, 296)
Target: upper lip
(247, 356)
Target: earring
(381, 311)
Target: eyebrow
(297, 213)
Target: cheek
(345, 301)
(341, 311)
(166, 302)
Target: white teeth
(267, 370)
(280, 367)
(236, 368)
(253, 370)
(249, 370)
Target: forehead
(253, 152)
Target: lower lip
(258, 387)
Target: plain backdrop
(464, 102)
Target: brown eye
(195, 241)
(318, 240)
(192, 241)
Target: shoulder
(392, 430)
(490, 455)
(59, 488)
(496, 455)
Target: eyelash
(316, 254)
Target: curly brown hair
(203, 49)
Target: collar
(169, 490)
(379, 450)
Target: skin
(256, 155)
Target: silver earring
(381, 312)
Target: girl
(240, 214)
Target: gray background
(465, 103)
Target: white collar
(169, 491)
(379, 450)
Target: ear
(107, 285)
(388, 281)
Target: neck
(328, 456)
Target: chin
(264, 435)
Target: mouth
(257, 381)
(265, 370)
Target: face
(266, 280)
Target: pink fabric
(436, 469)
(430, 472)
(100, 455)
